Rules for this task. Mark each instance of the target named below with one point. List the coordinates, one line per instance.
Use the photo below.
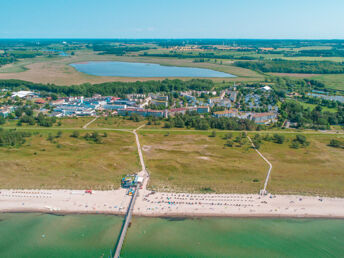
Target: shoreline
(176, 215)
(171, 205)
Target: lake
(126, 69)
(46, 235)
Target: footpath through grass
(195, 162)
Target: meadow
(194, 162)
(116, 122)
(314, 170)
(68, 163)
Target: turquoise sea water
(44, 235)
(235, 237)
(126, 69)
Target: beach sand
(161, 204)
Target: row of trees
(41, 120)
(286, 66)
(117, 50)
(112, 88)
(192, 120)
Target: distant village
(224, 103)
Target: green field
(332, 81)
(312, 106)
(68, 163)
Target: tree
(59, 134)
(213, 134)
(335, 143)
(179, 122)
(203, 125)
(295, 145)
(228, 136)
(279, 138)
(229, 143)
(2, 120)
(75, 134)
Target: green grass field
(312, 106)
(68, 163)
(332, 81)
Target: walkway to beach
(128, 216)
(86, 125)
(263, 191)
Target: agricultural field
(195, 162)
(314, 170)
(68, 163)
(331, 81)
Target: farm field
(68, 163)
(195, 162)
(317, 169)
(332, 81)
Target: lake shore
(151, 204)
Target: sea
(48, 235)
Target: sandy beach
(64, 201)
(170, 204)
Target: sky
(263, 19)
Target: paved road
(266, 160)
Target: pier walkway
(128, 216)
(126, 224)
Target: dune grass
(116, 122)
(195, 162)
(68, 163)
(316, 170)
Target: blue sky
(307, 19)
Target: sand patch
(146, 148)
(204, 158)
